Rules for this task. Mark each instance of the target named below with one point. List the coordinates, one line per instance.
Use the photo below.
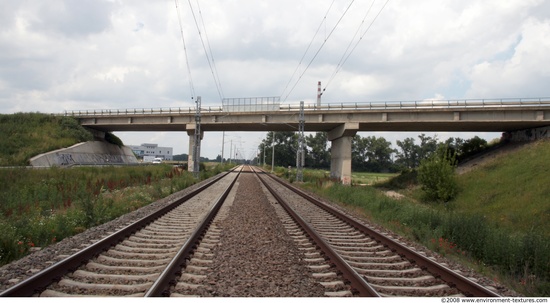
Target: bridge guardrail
(376, 105)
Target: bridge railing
(377, 105)
(140, 111)
(427, 104)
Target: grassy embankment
(40, 207)
(26, 135)
(499, 224)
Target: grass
(358, 178)
(41, 207)
(513, 192)
(366, 178)
(26, 135)
(498, 224)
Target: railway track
(141, 259)
(174, 251)
(364, 256)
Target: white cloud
(524, 71)
(60, 55)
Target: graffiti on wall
(530, 134)
(65, 159)
(87, 159)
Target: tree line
(371, 153)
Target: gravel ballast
(255, 257)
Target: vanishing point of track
(158, 255)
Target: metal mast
(300, 154)
(197, 143)
(319, 94)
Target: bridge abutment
(530, 134)
(340, 159)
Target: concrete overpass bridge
(341, 121)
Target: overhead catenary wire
(345, 57)
(309, 45)
(319, 50)
(351, 40)
(191, 86)
(210, 63)
(216, 76)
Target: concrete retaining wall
(530, 134)
(86, 153)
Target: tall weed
(40, 207)
(521, 256)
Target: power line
(217, 76)
(185, 51)
(218, 86)
(319, 50)
(307, 49)
(351, 41)
(344, 57)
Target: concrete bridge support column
(340, 157)
(191, 134)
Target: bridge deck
(492, 116)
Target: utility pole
(223, 141)
(230, 150)
(197, 143)
(300, 153)
(273, 153)
(319, 94)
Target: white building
(148, 149)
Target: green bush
(436, 176)
(521, 257)
(109, 137)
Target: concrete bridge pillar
(191, 134)
(340, 151)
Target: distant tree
(358, 152)
(428, 146)
(454, 145)
(372, 154)
(286, 145)
(411, 154)
(407, 156)
(182, 157)
(317, 156)
(380, 155)
(472, 146)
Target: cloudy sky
(60, 55)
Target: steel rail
(173, 270)
(357, 283)
(42, 279)
(452, 278)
